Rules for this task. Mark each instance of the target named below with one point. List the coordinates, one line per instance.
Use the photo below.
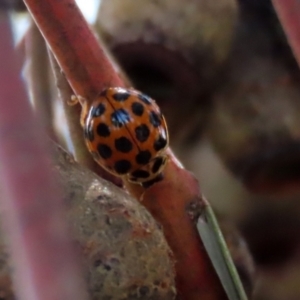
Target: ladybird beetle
(126, 133)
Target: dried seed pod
(255, 127)
(124, 253)
(172, 50)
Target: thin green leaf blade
(218, 252)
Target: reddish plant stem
(32, 211)
(74, 46)
(288, 12)
(176, 202)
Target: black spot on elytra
(123, 144)
(146, 99)
(160, 143)
(104, 151)
(157, 178)
(103, 130)
(140, 174)
(121, 96)
(120, 117)
(98, 110)
(122, 166)
(137, 108)
(143, 157)
(89, 133)
(142, 133)
(154, 119)
(157, 164)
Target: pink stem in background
(288, 12)
(32, 211)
